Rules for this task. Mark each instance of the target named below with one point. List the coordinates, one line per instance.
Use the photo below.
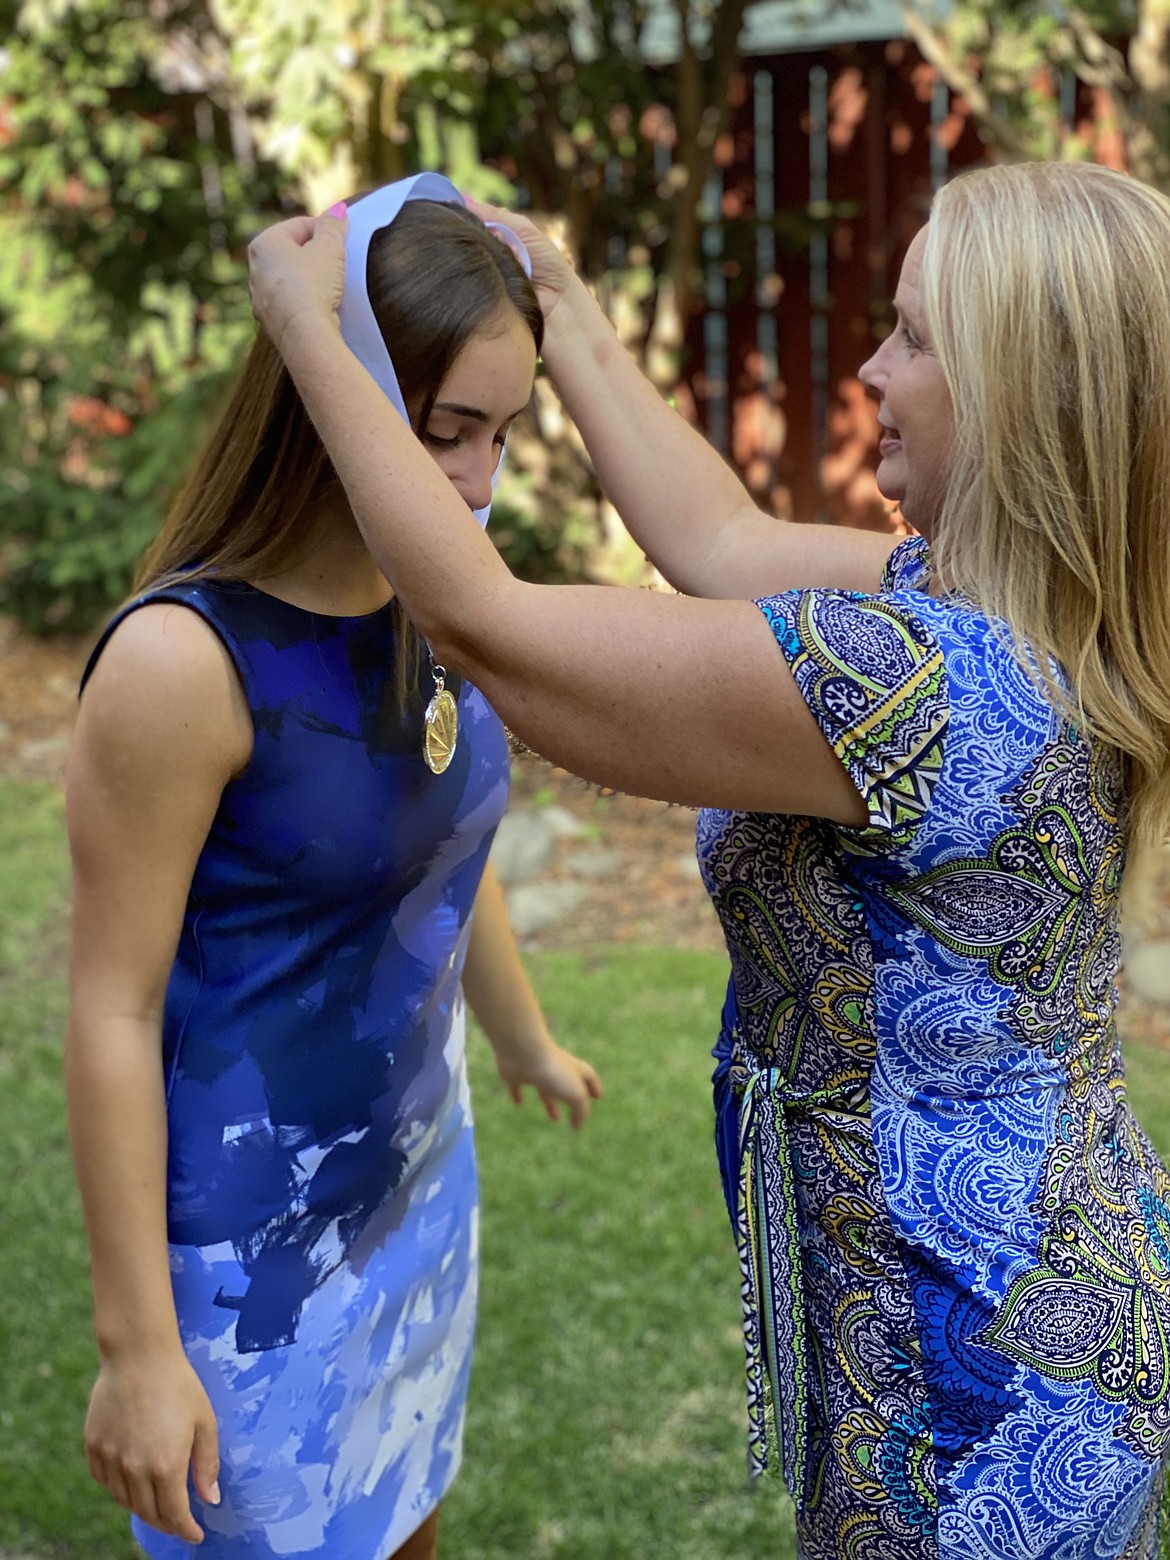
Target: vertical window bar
(1068, 101)
(940, 107)
(818, 258)
(615, 253)
(764, 152)
(765, 186)
(715, 318)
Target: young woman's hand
(559, 1078)
(552, 272)
(296, 273)
(149, 1425)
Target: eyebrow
(457, 409)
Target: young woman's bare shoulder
(165, 698)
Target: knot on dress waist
(775, 1326)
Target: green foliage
(1023, 55)
(143, 141)
(122, 299)
(537, 540)
(70, 547)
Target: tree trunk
(703, 114)
(1149, 61)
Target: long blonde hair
(1047, 289)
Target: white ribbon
(359, 328)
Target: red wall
(805, 457)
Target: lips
(890, 440)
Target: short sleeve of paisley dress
(872, 673)
(954, 1238)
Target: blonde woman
(921, 766)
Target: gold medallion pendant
(440, 725)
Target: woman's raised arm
(687, 700)
(682, 503)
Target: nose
(874, 373)
(473, 482)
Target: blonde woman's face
(914, 410)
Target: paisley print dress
(954, 1239)
(321, 1179)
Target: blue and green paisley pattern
(954, 1239)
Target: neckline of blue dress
(329, 617)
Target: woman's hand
(149, 1423)
(559, 1077)
(296, 273)
(552, 272)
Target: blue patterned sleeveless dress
(321, 1176)
(954, 1239)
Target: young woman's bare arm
(500, 995)
(162, 728)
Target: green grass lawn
(606, 1418)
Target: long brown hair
(434, 277)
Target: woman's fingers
(592, 1092)
(489, 213)
(143, 1501)
(108, 1473)
(173, 1508)
(205, 1459)
(157, 1495)
(549, 256)
(296, 268)
(591, 1085)
(560, 1080)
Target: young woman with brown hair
(921, 766)
(280, 813)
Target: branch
(1138, 89)
(1103, 66)
(935, 50)
(724, 58)
(1149, 52)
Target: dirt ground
(653, 895)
